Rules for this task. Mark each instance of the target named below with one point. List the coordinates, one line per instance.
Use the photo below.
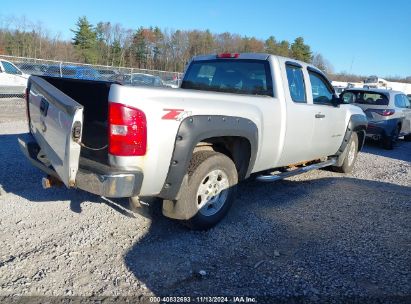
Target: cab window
(296, 83)
(322, 93)
(242, 76)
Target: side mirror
(336, 101)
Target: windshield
(371, 79)
(250, 77)
(365, 97)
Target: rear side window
(399, 102)
(365, 97)
(407, 101)
(322, 94)
(296, 83)
(237, 76)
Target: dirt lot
(317, 235)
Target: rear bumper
(109, 184)
(91, 177)
(381, 128)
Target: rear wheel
(212, 178)
(389, 141)
(407, 137)
(351, 153)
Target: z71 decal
(176, 114)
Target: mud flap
(181, 208)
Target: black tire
(389, 141)
(201, 165)
(407, 137)
(349, 159)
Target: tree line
(153, 48)
(147, 48)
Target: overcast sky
(362, 37)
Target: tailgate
(56, 123)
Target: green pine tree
(116, 53)
(140, 48)
(271, 45)
(300, 50)
(85, 40)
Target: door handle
(319, 115)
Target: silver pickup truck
(235, 116)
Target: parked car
(12, 79)
(409, 97)
(32, 68)
(110, 75)
(338, 90)
(388, 113)
(68, 71)
(140, 79)
(171, 83)
(234, 116)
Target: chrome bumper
(101, 180)
(110, 185)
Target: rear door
(298, 145)
(56, 122)
(329, 120)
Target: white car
(12, 79)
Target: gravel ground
(318, 235)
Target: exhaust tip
(46, 183)
(50, 181)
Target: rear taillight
(228, 55)
(383, 112)
(127, 131)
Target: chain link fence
(16, 70)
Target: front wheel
(350, 155)
(212, 178)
